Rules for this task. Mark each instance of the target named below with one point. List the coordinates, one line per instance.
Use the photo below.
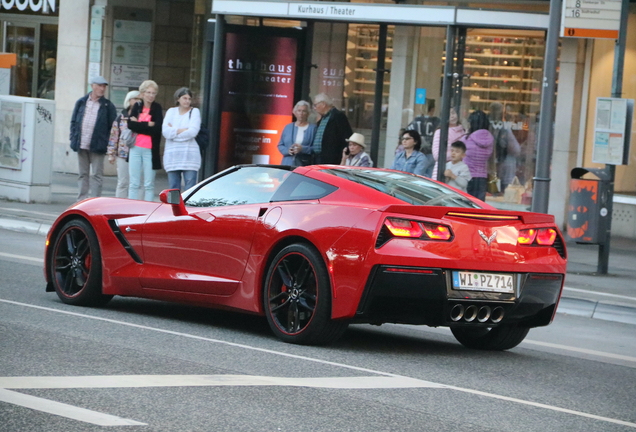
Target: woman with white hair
(295, 141)
(146, 119)
(118, 148)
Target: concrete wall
(71, 77)
(566, 126)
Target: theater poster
(257, 97)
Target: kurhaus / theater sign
(43, 6)
(381, 13)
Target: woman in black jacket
(146, 119)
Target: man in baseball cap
(354, 154)
(91, 121)
(99, 80)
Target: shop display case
(507, 70)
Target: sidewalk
(609, 297)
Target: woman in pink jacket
(455, 132)
(479, 146)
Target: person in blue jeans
(181, 156)
(146, 119)
(410, 159)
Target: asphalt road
(140, 365)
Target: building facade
(382, 62)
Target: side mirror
(173, 197)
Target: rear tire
(500, 338)
(297, 298)
(76, 265)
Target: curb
(25, 226)
(597, 310)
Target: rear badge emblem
(488, 240)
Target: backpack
(203, 137)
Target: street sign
(591, 18)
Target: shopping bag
(493, 184)
(514, 191)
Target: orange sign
(590, 33)
(7, 60)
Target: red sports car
(316, 248)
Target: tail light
(540, 236)
(405, 228)
(437, 231)
(527, 236)
(546, 236)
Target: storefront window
(502, 78)
(361, 66)
(20, 39)
(48, 61)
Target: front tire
(76, 265)
(297, 297)
(500, 338)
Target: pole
(214, 114)
(379, 93)
(617, 92)
(451, 32)
(546, 128)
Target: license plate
(493, 282)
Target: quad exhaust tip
(483, 314)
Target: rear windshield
(406, 187)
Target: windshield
(406, 187)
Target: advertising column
(257, 97)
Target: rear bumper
(416, 295)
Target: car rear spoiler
(440, 212)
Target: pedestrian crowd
(132, 140)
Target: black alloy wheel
(500, 338)
(297, 297)
(76, 265)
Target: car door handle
(129, 229)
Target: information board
(591, 18)
(612, 130)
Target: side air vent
(558, 245)
(124, 242)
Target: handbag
(493, 184)
(128, 137)
(203, 137)
(514, 191)
(303, 159)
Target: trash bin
(588, 216)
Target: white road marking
(342, 365)
(581, 350)
(545, 406)
(135, 381)
(65, 410)
(22, 257)
(599, 293)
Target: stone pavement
(609, 297)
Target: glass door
(20, 38)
